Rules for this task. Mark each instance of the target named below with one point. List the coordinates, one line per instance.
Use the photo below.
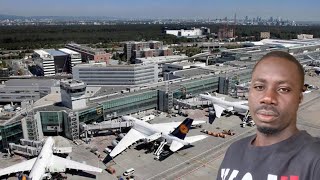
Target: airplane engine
(120, 136)
(114, 143)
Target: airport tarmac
(198, 162)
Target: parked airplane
(220, 104)
(174, 133)
(46, 163)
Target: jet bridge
(107, 125)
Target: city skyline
(165, 9)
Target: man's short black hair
(287, 56)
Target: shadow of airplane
(80, 173)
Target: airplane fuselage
(39, 168)
(149, 130)
(236, 107)
(46, 163)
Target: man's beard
(268, 130)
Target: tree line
(33, 37)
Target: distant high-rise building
(44, 62)
(73, 59)
(271, 19)
(61, 61)
(50, 61)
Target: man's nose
(269, 97)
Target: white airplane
(220, 104)
(46, 163)
(174, 133)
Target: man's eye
(258, 88)
(284, 90)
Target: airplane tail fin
(182, 130)
(23, 177)
(107, 159)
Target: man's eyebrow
(284, 82)
(261, 80)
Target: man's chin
(268, 130)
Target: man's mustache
(267, 109)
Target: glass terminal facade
(10, 133)
(55, 121)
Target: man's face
(275, 94)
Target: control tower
(73, 93)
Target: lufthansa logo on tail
(183, 129)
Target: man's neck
(269, 139)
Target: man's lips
(267, 115)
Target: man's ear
(304, 88)
(301, 97)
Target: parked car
(128, 172)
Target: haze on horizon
(185, 9)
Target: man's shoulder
(313, 147)
(310, 143)
(242, 143)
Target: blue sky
(291, 9)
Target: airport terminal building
(102, 74)
(51, 115)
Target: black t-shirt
(296, 158)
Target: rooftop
(41, 52)
(68, 51)
(32, 82)
(138, 42)
(54, 52)
(162, 59)
(187, 73)
(71, 83)
(86, 48)
(186, 63)
(288, 43)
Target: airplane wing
(218, 110)
(169, 127)
(192, 139)
(58, 163)
(131, 137)
(20, 167)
